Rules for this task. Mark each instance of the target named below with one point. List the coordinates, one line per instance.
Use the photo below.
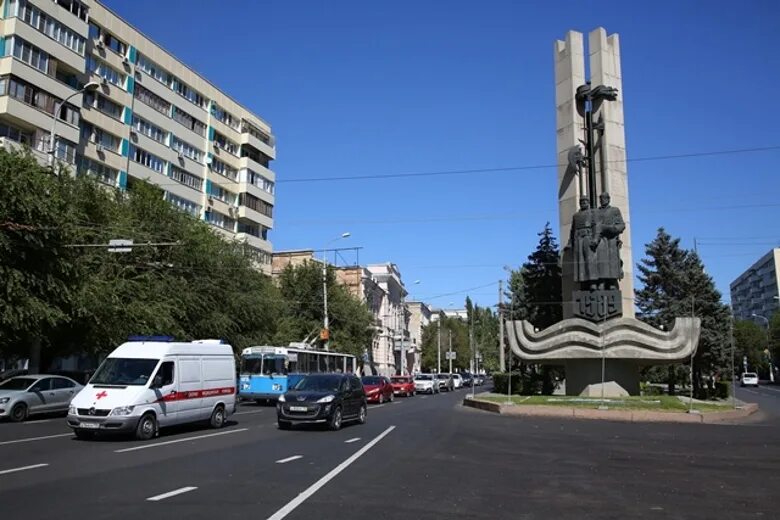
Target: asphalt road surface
(418, 458)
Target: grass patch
(659, 403)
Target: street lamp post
(89, 87)
(768, 346)
(325, 322)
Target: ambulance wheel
(147, 427)
(218, 417)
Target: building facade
(144, 115)
(394, 317)
(757, 290)
(420, 316)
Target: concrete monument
(599, 341)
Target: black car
(328, 399)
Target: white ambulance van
(150, 383)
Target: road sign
(113, 246)
(450, 355)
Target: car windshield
(401, 380)
(318, 383)
(17, 383)
(372, 380)
(423, 377)
(124, 371)
(268, 364)
(750, 374)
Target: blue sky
(361, 88)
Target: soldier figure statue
(581, 240)
(606, 244)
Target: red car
(403, 385)
(378, 389)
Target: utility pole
(438, 356)
(450, 353)
(501, 347)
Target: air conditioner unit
(211, 201)
(125, 60)
(104, 82)
(100, 148)
(100, 45)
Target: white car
(458, 381)
(426, 384)
(749, 379)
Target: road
(422, 457)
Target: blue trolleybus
(267, 372)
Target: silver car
(23, 396)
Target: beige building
(420, 316)
(144, 115)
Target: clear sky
(358, 88)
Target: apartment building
(757, 290)
(420, 316)
(133, 112)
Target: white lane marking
(23, 468)
(769, 388)
(396, 402)
(249, 412)
(156, 444)
(170, 494)
(423, 397)
(301, 498)
(353, 439)
(753, 392)
(40, 421)
(377, 406)
(30, 439)
(289, 459)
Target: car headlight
(327, 399)
(282, 399)
(122, 410)
(71, 409)
(375, 390)
(4, 400)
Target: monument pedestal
(583, 377)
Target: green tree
(749, 343)
(535, 295)
(36, 266)
(453, 328)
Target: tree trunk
(672, 378)
(34, 364)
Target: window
(149, 160)
(164, 375)
(103, 70)
(255, 155)
(222, 142)
(186, 149)
(31, 55)
(38, 98)
(74, 6)
(218, 192)
(186, 178)
(251, 129)
(100, 137)
(153, 100)
(50, 27)
(64, 150)
(225, 117)
(94, 31)
(15, 134)
(102, 103)
(258, 180)
(188, 121)
(252, 202)
(114, 44)
(224, 169)
(100, 171)
(154, 70)
(188, 93)
(142, 126)
(43, 385)
(218, 219)
(183, 204)
(60, 383)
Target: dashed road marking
(30, 439)
(170, 494)
(353, 439)
(249, 412)
(289, 459)
(23, 468)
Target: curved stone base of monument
(624, 343)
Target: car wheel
(335, 420)
(218, 417)
(84, 435)
(19, 412)
(362, 414)
(147, 427)
(283, 425)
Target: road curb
(611, 415)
